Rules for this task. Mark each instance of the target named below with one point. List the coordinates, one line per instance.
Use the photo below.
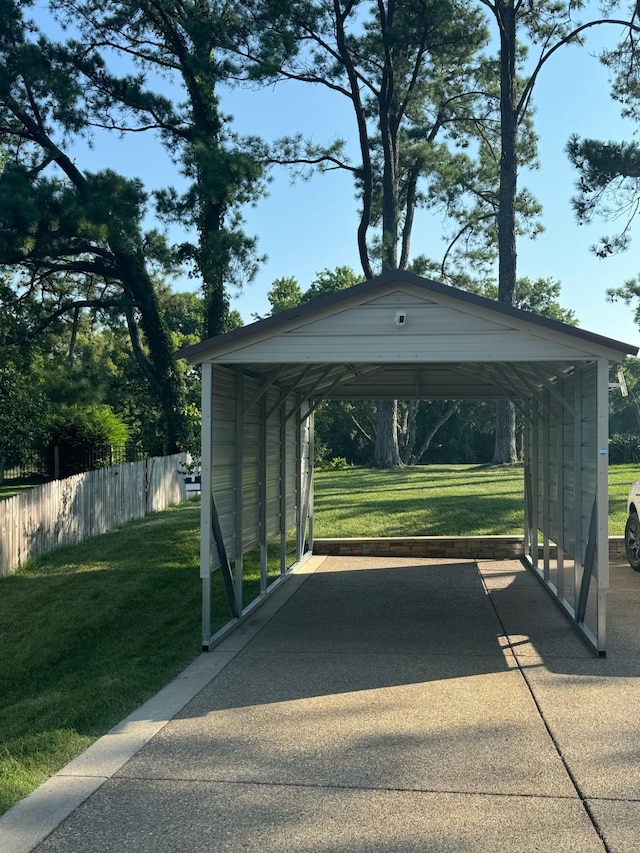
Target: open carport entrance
(403, 337)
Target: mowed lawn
(428, 500)
(87, 634)
(91, 631)
(438, 500)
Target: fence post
(147, 490)
(56, 463)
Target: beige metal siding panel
(251, 511)
(380, 321)
(273, 517)
(251, 464)
(272, 473)
(401, 292)
(405, 346)
(567, 389)
(588, 462)
(292, 473)
(552, 470)
(224, 455)
(251, 528)
(589, 448)
(223, 384)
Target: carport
(400, 336)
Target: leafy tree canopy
(71, 237)
(540, 296)
(154, 65)
(22, 411)
(608, 184)
(286, 293)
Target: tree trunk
(159, 366)
(505, 451)
(389, 201)
(407, 429)
(213, 256)
(387, 454)
(505, 445)
(508, 155)
(452, 407)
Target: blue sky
(308, 226)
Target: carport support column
(526, 452)
(602, 499)
(239, 501)
(300, 521)
(546, 473)
(263, 496)
(311, 473)
(560, 503)
(577, 487)
(283, 489)
(206, 537)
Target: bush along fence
(67, 511)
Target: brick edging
(469, 547)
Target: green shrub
(84, 436)
(338, 463)
(624, 448)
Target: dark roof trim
(308, 308)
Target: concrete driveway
(374, 704)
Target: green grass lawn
(438, 500)
(620, 478)
(87, 634)
(429, 500)
(93, 630)
(15, 487)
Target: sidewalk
(374, 704)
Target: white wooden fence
(66, 511)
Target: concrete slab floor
(166, 816)
(589, 705)
(474, 733)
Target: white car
(632, 527)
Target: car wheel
(632, 541)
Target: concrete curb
(32, 819)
